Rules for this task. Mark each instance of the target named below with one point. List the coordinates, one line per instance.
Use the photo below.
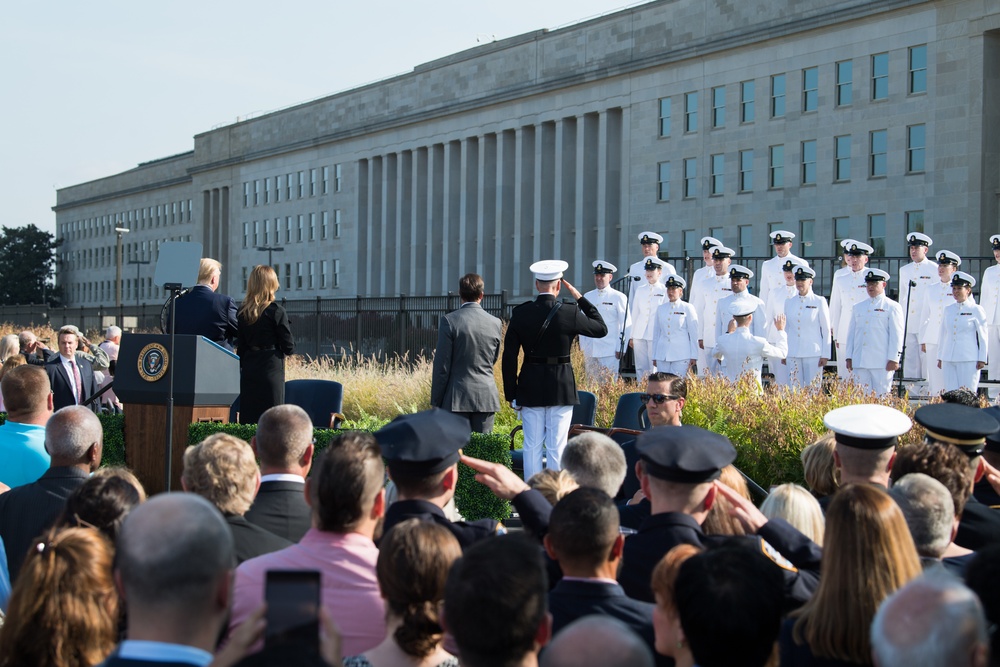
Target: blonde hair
(719, 521)
(11, 362)
(208, 268)
(261, 287)
(819, 467)
(553, 484)
(798, 507)
(222, 469)
(10, 346)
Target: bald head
(73, 435)
(284, 432)
(597, 641)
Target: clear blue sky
(93, 88)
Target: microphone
(913, 283)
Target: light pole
(138, 263)
(270, 250)
(120, 231)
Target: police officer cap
(708, 241)
(684, 454)
(803, 272)
(867, 426)
(721, 252)
(548, 269)
(650, 237)
(781, 236)
(423, 443)
(653, 263)
(960, 425)
(600, 266)
(948, 257)
(675, 281)
(961, 278)
(875, 275)
(859, 248)
(916, 238)
(740, 271)
(993, 439)
(995, 240)
(741, 307)
(791, 263)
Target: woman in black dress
(263, 340)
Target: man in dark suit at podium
(71, 375)
(205, 312)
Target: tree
(27, 265)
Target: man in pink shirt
(346, 494)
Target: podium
(206, 382)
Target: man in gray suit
(468, 345)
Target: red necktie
(79, 382)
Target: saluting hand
(779, 322)
(572, 290)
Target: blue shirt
(22, 450)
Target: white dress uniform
(600, 352)
(702, 281)
(648, 298)
(847, 291)
(774, 306)
(874, 338)
(723, 316)
(707, 307)
(807, 323)
(772, 275)
(742, 352)
(963, 344)
(924, 274)
(675, 337)
(989, 299)
(934, 300)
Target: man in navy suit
(204, 312)
(71, 375)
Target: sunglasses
(659, 399)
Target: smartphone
(293, 599)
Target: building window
(326, 180)
(918, 69)
(715, 232)
(336, 273)
(810, 89)
(336, 224)
(718, 183)
(337, 174)
(690, 112)
(691, 242)
(288, 276)
(746, 171)
(325, 225)
(278, 186)
(256, 196)
(288, 229)
(841, 231)
(776, 167)
(746, 101)
(298, 275)
(719, 106)
(663, 181)
(267, 190)
(914, 221)
(745, 240)
(312, 226)
(690, 177)
(842, 158)
(880, 76)
(809, 162)
(302, 230)
(845, 76)
(302, 179)
(246, 197)
(808, 237)
(777, 96)
(256, 232)
(288, 186)
(915, 148)
(876, 233)
(665, 117)
(267, 232)
(322, 274)
(312, 275)
(877, 157)
(312, 182)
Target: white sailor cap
(867, 426)
(675, 281)
(653, 264)
(721, 252)
(781, 236)
(916, 238)
(803, 272)
(650, 237)
(740, 271)
(995, 240)
(741, 307)
(948, 257)
(859, 248)
(964, 279)
(875, 275)
(600, 266)
(792, 262)
(846, 243)
(548, 269)
(708, 241)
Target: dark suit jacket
(40, 360)
(281, 508)
(202, 312)
(250, 540)
(979, 526)
(62, 383)
(467, 347)
(541, 384)
(29, 510)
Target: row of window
(147, 217)
(104, 256)
(305, 276)
(103, 291)
(777, 100)
(294, 229)
(878, 164)
(293, 185)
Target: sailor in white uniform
(675, 331)
(702, 280)
(774, 305)
(875, 337)
(921, 272)
(647, 299)
(808, 329)
(739, 279)
(963, 347)
(602, 355)
(770, 271)
(650, 242)
(848, 290)
(989, 299)
(707, 303)
(933, 302)
(742, 352)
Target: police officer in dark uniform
(422, 451)
(985, 493)
(679, 469)
(966, 428)
(545, 389)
